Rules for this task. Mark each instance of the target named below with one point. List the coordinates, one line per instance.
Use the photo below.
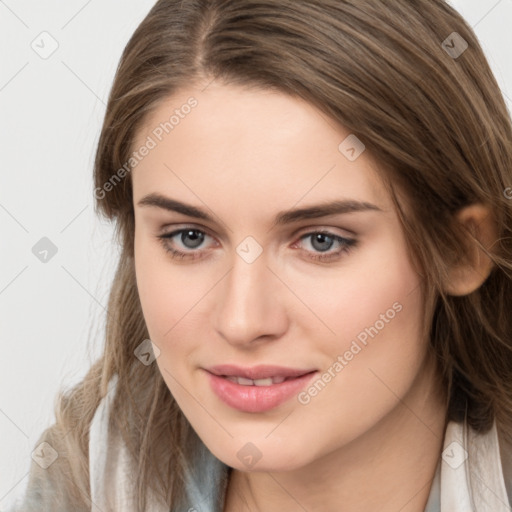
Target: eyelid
(299, 233)
(189, 227)
(347, 243)
(177, 228)
(345, 233)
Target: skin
(371, 439)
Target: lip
(257, 398)
(261, 371)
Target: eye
(182, 243)
(188, 243)
(322, 242)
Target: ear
(466, 277)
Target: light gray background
(51, 112)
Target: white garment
(469, 477)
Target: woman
(310, 307)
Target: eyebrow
(282, 218)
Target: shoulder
(476, 468)
(112, 468)
(51, 485)
(505, 446)
(58, 478)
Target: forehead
(245, 148)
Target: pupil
(195, 236)
(322, 242)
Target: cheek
(373, 294)
(175, 301)
(363, 382)
(167, 291)
(153, 288)
(377, 352)
(373, 309)
(165, 301)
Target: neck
(388, 468)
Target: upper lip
(262, 371)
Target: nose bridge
(249, 305)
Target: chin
(253, 455)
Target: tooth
(256, 382)
(244, 382)
(263, 382)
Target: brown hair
(436, 124)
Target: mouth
(243, 381)
(259, 372)
(259, 388)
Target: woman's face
(288, 319)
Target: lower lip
(256, 398)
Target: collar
(469, 476)
(471, 472)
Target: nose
(250, 304)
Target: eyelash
(346, 245)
